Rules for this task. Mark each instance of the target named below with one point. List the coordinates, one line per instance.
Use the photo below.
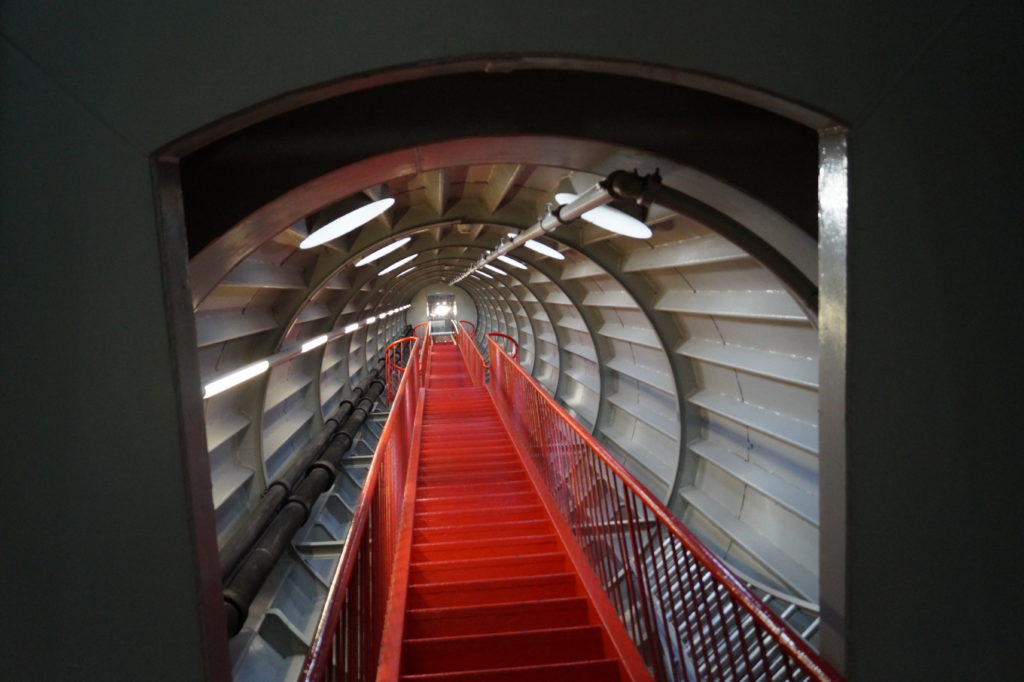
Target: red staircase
(462, 561)
(492, 592)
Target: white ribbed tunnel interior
(684, 356)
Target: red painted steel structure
(347, 642)
(396, 357)
(486, 586)
(690, 618)
(493, 336)
(475, 364)
(687, 613)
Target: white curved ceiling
(682, 354)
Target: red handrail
(515, 344)
(347, 641)
(686, 612)
(422, 332)
(396, 357)
(475, 364)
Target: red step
(502, 650)
(492, 595)
(451, 464)
(459, 517)
(606, 670)
(508, 565)
(479, 549)
(492, 591)
(481, 530)
(511, 617)
(499, 497)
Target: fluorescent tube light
(314, 343)
(352, 327)
(397, 264)
(403, 272)
(497, 270)
(609, 219)
(379, 253)
(235, 378)
(542, 249)
(513, 262)
(346, 223)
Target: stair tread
(509, 616)
(512, 557)
(512, 581)
(461, 514)
(501, 541)
(453, 504)
(508, 562)
(517, 634)
(503, 649)
(493, 547)
(487, 529)
(435, 493)
(599, 670)
(446, 465)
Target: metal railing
(505, 342)
(688, 615)
(396, 357)
(475, 364)
(347, 642)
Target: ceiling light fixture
(513, 262)
(484, 274)
(257, 368)
(381, 252)
(609, 219)
(403, 272)
(346, 223)
(618, 185)
(541, 248)
(314, 343)
(494, 269)
(397, 264)
(234, 378)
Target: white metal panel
(258, 273)
(793, 431)
(803, 580)
(709, 248)
(795, 499)
(217, 328)
(793, 369)
(764, 305)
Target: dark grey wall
(100, 580)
